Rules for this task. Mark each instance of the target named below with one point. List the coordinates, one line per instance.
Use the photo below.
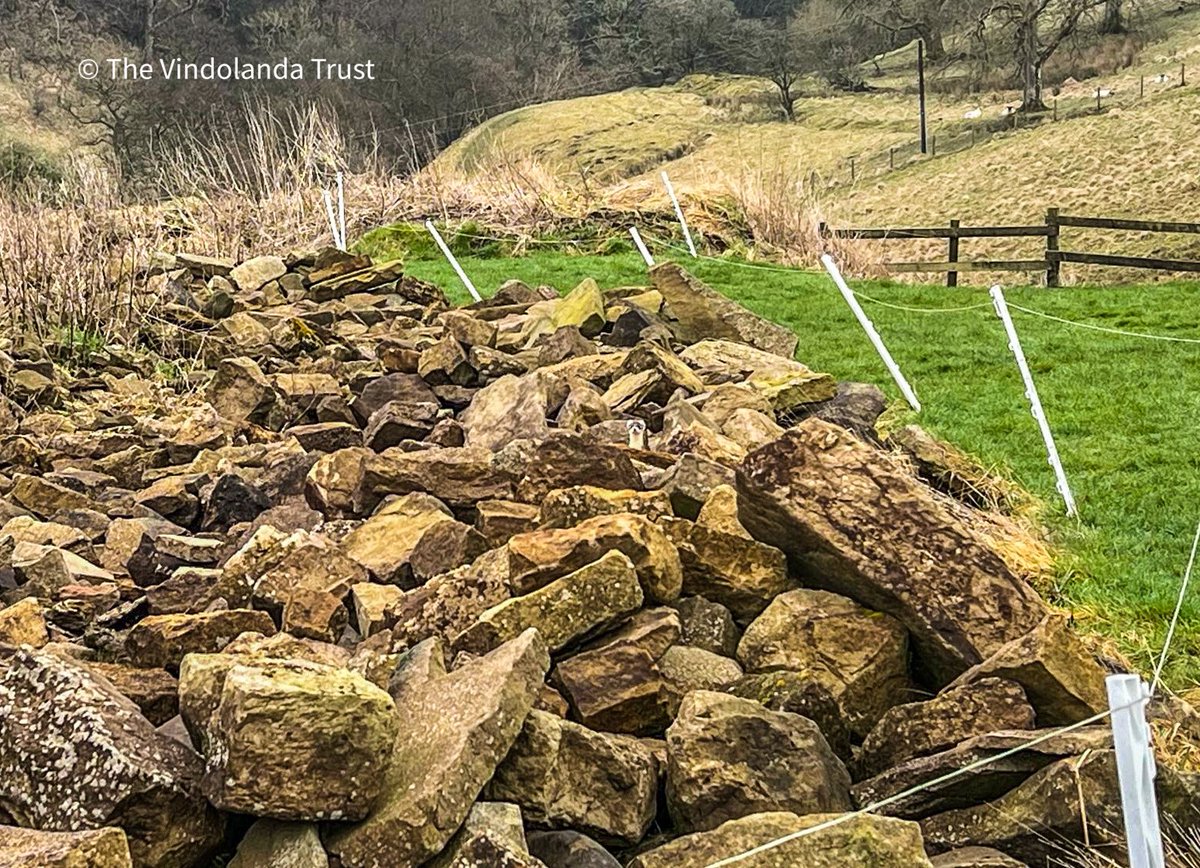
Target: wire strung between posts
(912, 791)
(1187, 578)
(1108, 330)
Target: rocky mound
(600, 580)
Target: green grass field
(1123, 410)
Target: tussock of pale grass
(784, 213)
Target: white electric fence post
(905, 389)
(687, 233)
(641, 246)
(333, 226)
(1136, 770)
(1035, 403)
(462, 275)
(342, 209)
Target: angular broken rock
(511, 408)
(128, 776)
(567, 460)
(864, 841)
(707, 625)
(861, 656)
(280, 844)
(696, 312)
(958, 713)
(729, 757)
(976, 857)
(537, 558)
(240, 392)
(294, 740)
(23, 623)
(739, 573)
(454, 729)
(798, 694)
(1073, 801)
(564, 775)
(567, 507)
(615, 685)
(494, 826)
(355, 481)
(164, 640)
(447, 605)
(852, 520)
(410, 540)
(1063, 681)
(570, 850)
(500, 520)
(685, 669)
(154, 691)
(565, 611)
(933, 795)
(99, 848)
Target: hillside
(1135, 158)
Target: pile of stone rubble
(595, 580)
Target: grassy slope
(1122, 409)
(1136, 159)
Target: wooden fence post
(952, 276)
(1182, 74)
(852, 173)
(933, 146)
(1142, 87)
(1056, 109)
(892, 158)
(1053, 263)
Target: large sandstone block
(75, 755)
(565, 611)
(863, 841)
(164, 640)
(696, 312)
(454, 729)
(564, 775)
(860, 656)
(1064, 682)
(296, 741)
(854, 521)
(922, 728)
(539, 557)
(729, 757)
(354, 481)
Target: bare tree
(1114, 17)
(1038, 29)
(768, 49)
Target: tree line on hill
(442, 65)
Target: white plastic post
(333, 226)
(687, 233)
(1035, 403)
(341, 209)
(462, 275)
(1136, 770)
(905, 389)
(641, 246)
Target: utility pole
(921, 89)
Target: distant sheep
(1104, 92)
(973, 114)
(1009, 109)
(1162, 78)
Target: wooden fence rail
(1051, 231)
